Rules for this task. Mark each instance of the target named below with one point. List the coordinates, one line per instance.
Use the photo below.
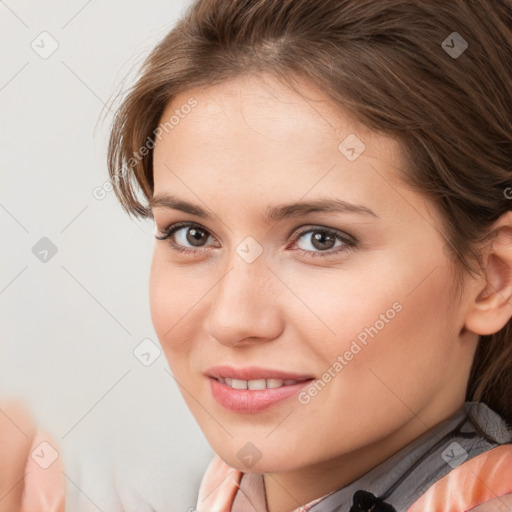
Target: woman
(332, 274)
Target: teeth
(238, 384)
(256, 384)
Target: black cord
(365, 501)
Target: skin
(252, 143)
(18, 430)
(25, 485)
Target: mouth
(254, 389)
(256, 383)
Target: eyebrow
(273, 213)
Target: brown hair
(398, 67)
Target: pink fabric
(477, 481)
(218, 488)
(484, 482)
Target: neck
(286, 491)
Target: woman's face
(308, 259)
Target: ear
(491, 305)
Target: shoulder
(482, 481)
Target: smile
(254, 389)
(256, 384)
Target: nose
(245, 304)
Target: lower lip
(252, 401)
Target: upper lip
(254, 373)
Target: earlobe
(491, 307)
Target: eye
(319, 242)
(188, 237)
(183, 233)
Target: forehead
(257, 140)
(265, 112)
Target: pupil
(195, 236)
(321, 238)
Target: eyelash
(348, 241)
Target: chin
(247, 457)
(263, 466)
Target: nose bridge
(243, 283)
(247, 266)
(243, 303)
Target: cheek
(385, 325)
(338, 304)
(404, 348)
(377, 369)
(171, 299)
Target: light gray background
(70, 325)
